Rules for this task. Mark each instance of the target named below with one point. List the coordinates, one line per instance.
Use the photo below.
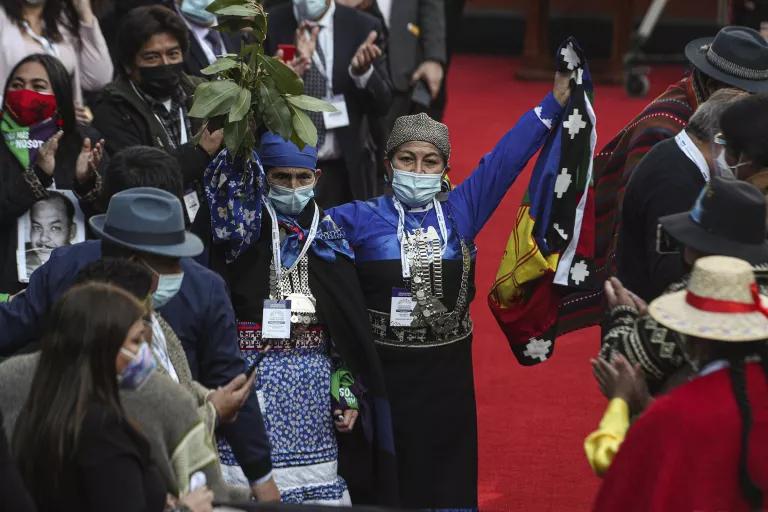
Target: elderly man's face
(292, 177)
(419, 157)
(51, 227)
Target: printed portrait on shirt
(52, 222)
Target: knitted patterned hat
(722, 303)
(420, 127)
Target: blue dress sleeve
(347, 217)
(476, 198)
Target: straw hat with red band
(722, 303)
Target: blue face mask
(415, 189)
(309, 9)
(194, 11)
(290, 201)
(139, 369)
(168, 285)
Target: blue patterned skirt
(293, 387)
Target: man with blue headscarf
(301, 317)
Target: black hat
(728, 219)
(147, 220)
(737, 56)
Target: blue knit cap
(278, 152)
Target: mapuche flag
(549, 259)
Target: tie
(214, 41)
(316, 85)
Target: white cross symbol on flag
(574, 123)
(579, 272)
(570, 57)
(562, 183)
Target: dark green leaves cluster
(250, 89)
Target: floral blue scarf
(235, 193)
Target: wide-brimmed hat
(721, 303)
(728, 219)
(737, 56)
(147, 220)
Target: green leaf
(222, 64)
(213, 98)
(238, 10)
(286, 81)
(277, 115)
(240, 106)
(232, 24)
(234, 135)
(310, 103)
(220, 4)
(304, 127)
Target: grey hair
(705, 122)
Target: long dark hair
(737, 354)
(61, 83)
(83, 335)
(56, 13)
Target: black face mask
(161, 82)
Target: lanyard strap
(183, 137)
(276, 239)
(46, 43)
(406, 267)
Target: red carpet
(532, 421)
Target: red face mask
(30, 107)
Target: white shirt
(689, 149)
(331, 149)
(385, 6)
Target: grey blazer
(406, 50)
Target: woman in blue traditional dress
(301, 316)
(415, 257)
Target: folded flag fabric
(549, 256)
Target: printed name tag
(338, 119)
(192, 204)
(276, 320)
(401, 310)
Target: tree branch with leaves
(250, 90)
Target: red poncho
(683, 453)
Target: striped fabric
(663, 118)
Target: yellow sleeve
(602, 444)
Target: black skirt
(431, 392)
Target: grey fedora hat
(737, 56)
(147, 220)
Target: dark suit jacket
(407, 51)
(351, 28)
(195, 59)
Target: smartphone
(665, 244)
(255, 364)
(421, 95)
(289, 51)
(197, 481)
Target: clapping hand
(46, 156)
(617, 295)
(366, 54)
(619, 379)
(305, 40)
(89, 160)
(229, 399)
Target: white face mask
(415, 189)
(728, 170)
(311, 10)
(290, 201)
